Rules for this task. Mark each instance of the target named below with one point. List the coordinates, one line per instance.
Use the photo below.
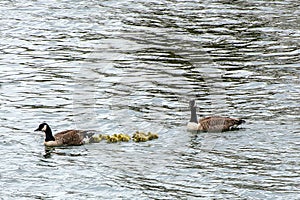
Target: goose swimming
(64, 138)
(211, 124)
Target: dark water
(121, 66)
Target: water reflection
(48, 152)
(63, 151)
(126, 66)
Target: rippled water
(121, 66)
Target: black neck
(49, 136)
(193, 115)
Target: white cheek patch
(44, 128)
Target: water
(121, 66)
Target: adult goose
(64, 138)
(211, 124)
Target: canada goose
(64, 138)
(211, 124)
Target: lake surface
(122, 66)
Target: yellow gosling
(112, 139)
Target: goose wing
(217, 123)
(69, 137)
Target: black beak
(36, 129)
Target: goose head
(193, 104)
(43, 127)
(47, 130)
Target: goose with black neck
(211, 124)
(64, 138)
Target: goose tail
(240, 121)
(87, 136)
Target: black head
(42, 127)
(193, 104)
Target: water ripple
(134, 65)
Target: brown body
(218, 123)
(67, 138)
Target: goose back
(70, 137)
(216, 123)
